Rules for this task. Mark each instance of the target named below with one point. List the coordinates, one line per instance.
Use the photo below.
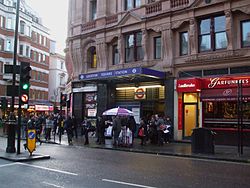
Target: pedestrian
(87, 128)
(102, 127)
(142, 132)
(24, 122)
(48, 127)
(168, 131)
(75, 126)
(116, 129)
(132, 126)
(159, 123)
(68, 126)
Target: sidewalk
(180, 149)
(24, 156)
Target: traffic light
(4, 103)
(24, 82)
(63, 99)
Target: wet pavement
(180, 149)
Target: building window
(8, 45)
(93, 7)
(22, 27)
(183, 43)
(130, 4)
(115, 55)
(28, 31)
(34, 36)
(1, 21)
(151, 1)
(39, 57)
(38, 76)
(27, 51)
(61, 64)
(212, 34)
(34, 56)
(157, 48)
(61, 80)
(43, 58)
(44, 41)
(245, 33)
(92, 58)
(1, 67)
(1, 44)
(9, 23)
(21, 49)
(133, 48)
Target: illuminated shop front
(220, 101)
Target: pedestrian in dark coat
(117, 125)
(68, 125)
(132, 125)
(86, 132)
(75, 126)
(101, 127)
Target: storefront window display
(224, 114)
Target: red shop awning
(229, 94)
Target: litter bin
(202, 141)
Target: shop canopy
(225, 94)
(131, 73)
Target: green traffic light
(25, 86)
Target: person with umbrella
(117, 129)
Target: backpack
(141, 132)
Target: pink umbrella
(118, 111)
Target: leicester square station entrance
(138, 89)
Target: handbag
(141, 132)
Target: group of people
(157, 129)
(48, 125)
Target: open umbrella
(118, 111)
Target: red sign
(140, 93)
(225, 82)
(24, 98)
(189, 85)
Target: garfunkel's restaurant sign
(225, 82)
(122, 72)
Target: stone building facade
(184, 39)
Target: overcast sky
(54, 14)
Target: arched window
(92, 58)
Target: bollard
(11, 130)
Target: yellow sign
(31, 141)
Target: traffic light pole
(11, 134)
(19, 118)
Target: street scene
(131, 93)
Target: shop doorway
(190, 120)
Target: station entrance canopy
(121, 74)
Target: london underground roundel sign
(140, 93)
(24, 98)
